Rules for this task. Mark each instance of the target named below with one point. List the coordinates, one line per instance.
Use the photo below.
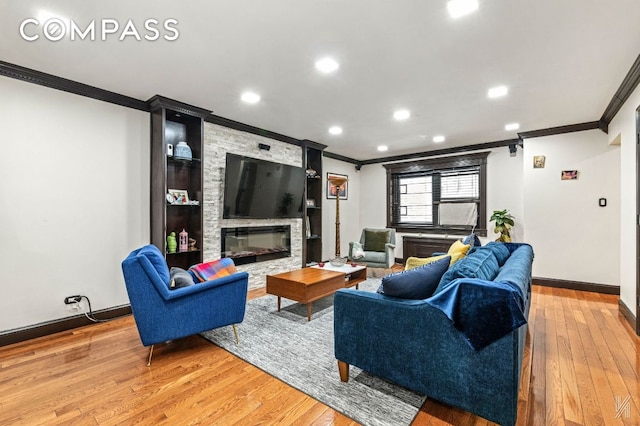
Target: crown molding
(236, 125)
(628, 85)
(591, 125)
(70, 86)
(445, 151)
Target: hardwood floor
(580, 356)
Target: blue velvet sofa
(462, 346)
(162, 314)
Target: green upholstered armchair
(376, 248)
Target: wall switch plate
(602, 202)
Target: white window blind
(459, 185)
(416, 199)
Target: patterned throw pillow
(212, 270)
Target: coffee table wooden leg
(309, 311)
(278, 303)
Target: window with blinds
(437, 195)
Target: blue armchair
(162, 314)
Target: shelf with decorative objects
(312, 242)
(177, 133)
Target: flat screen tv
(260, 189)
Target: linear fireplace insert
(256, 243)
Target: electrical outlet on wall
(73, 303)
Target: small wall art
(569, 175)
(332, 190)
(538, 161)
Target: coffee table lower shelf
(307, 285)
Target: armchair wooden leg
(150, 355)
(235, 331)
(343, 368)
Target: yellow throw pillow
(414, 262)
(455, 257)
(458, 247)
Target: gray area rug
(300, 353)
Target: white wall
(349, 209)
(504, 191)
(75, 200)
(573, 238)
(373, 198)
(624, 124)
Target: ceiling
(561, 60)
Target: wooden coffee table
(309, 284)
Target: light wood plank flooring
(580, 356)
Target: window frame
(431, 165)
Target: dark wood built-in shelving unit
(173, 122)
(312, 246)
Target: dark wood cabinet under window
(414, 246)
(173, 122)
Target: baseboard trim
(577, 285)
(64, 324)
(627, 314)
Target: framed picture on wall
(569, 175)
(333, 190)
(538, 161)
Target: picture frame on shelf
(341, 191)
(179, 196)
(308, 226)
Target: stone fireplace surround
(218, 140)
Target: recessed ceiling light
(327, 65)
(250, 97)
(438, 139)
(458, 8)
(498, 91)
(512, 126)
(401, 114)
(383, 148)
(335, 130)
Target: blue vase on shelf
(182, 151)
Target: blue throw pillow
(416, 283)
(472, 240)
(481, 264)
(499, 250)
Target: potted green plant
(503, 223)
